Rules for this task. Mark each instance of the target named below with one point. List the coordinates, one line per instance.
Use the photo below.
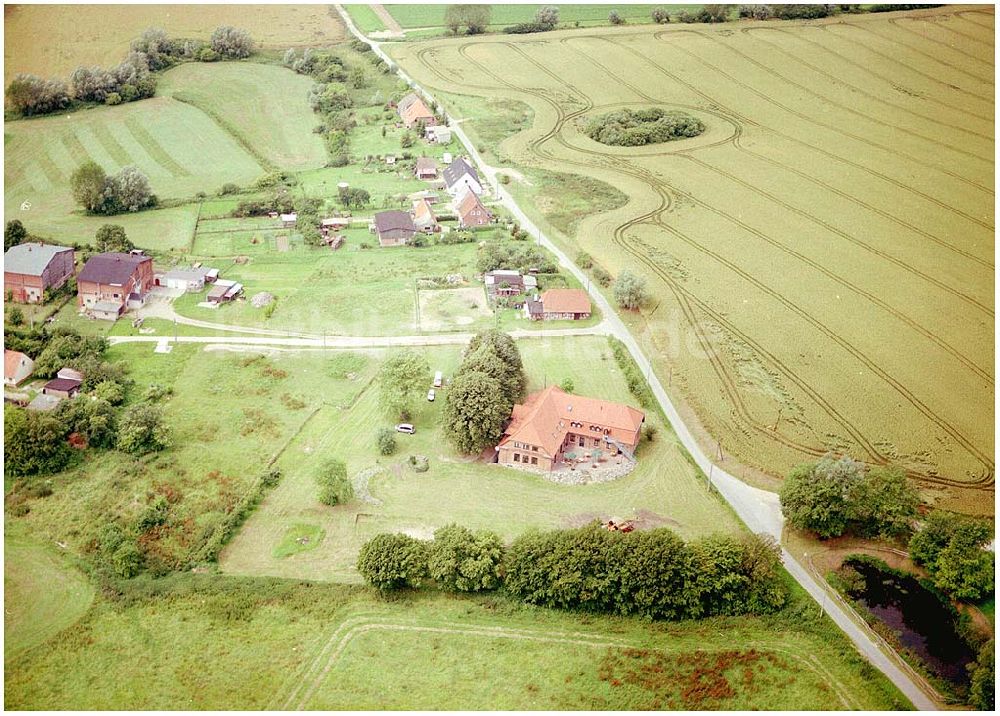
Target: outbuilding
(62, 387)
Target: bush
(660, 15)
(229, 188)
(15, 316)
(385, 439)
(567, 385)
(34, 443)
(335, 487)
(615, 19)
(461, 561)
(630, 291)
(393, 561)
(232, 42)
(207, 54)
(112, 99)
(982, 673)
(29, 95)
(584, 260)
(141, 430)
(602, 276)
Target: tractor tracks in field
(806, 118)
(896, 61)
(901, 24)
(298, 692)
(901, 222)
(653, 217)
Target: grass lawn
(393, 497)
(364, 17)
(299, 538)
(321, 291)
(43, 593)
(204, 642)
(262, 106)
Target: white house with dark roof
(460, 176)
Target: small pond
(925, 625)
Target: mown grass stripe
(229, 129)
(153, 148)
(111, 144)
(52, 172)
(75, 147)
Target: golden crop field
(53, 40)
(821, 257)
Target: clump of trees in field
(132, 79)
(546, 18)
(952, 549)
(99, 193)
(653, 574)
(637, 127)
(474, 18)
(837, 496)
(483, 391)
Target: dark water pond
(926, 626)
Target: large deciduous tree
(112, 237)
(88, 183)
(335, 487)
(463, 561)
(14, 233)
(630, 291)
(475, 411)
(232, 42)
(393, 561)
(402, 378)
(951, 547)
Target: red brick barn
(29, 269)
(111, 283)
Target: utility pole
(711, 470)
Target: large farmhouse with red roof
(113, 282)
(551, 423)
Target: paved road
(759, 509)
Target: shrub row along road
(759, 509)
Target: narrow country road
(759, 509)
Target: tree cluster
(14, 233)
(637, 127)
(330, 98)
(474, 18)
(38, 443)
(99, 193)
(707, 14)
(519, 255)
(952, 548)
(483, 392)
(231, 42)
(835, 496)
(112, 238)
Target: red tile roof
(565, 300)
(547, 416)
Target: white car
(430, 395)
(405, 428)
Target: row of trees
(653, 574)
(483, 391)
(132, 79)
(98, 193)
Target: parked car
(405, 428)
(438, 380)
(430, 395)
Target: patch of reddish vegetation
(695, 680)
